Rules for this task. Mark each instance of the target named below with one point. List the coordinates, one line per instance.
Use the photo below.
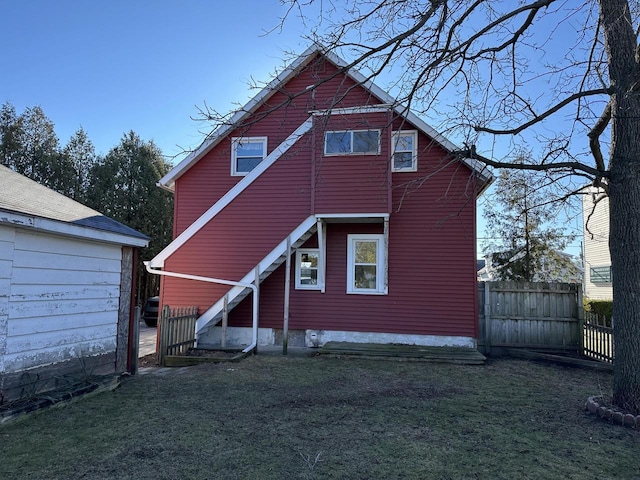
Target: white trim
(68, 229)
(322, 260)
(234, 152)
(414, 150)
(379, 239)
(380, 108)
(342, 154)
(330, 216)
(167, 182)
(298, 284)
(227, 198)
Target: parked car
(150, 311)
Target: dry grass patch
(326, 418)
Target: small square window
(405, 151)
(307, 269)
(247, 153)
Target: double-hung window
(307, 269)
(405, 151)
(600, 274)
(247, 153)
(366, 264)
(352, 142)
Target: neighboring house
(379, 212)
(597, 260)
(65, 288)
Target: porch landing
(459, 355)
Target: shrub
(601, 308)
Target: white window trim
(234, 143)
(381, 286)
(414, 153)
(342, 154)
(299, 285)
(597, 282)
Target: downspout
(186, 276)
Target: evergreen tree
(80, 156)
(530, 247)
(123, 187)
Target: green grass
(325, 418)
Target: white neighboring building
(65, 287)
(597, 260)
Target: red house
(378, 212)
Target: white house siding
(596, 244)
(7, 236)
(63, 299)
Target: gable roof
(26, 203)
(168, 181)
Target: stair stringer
(266, 266)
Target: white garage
(66, 288)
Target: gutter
(254, 342)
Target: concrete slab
(147, 344)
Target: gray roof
(19, 194)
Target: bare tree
(559, 76)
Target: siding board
(61, 301)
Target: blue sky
(141, 65)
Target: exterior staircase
(262, 270)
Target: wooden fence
(597, 338)
(177, 331)
(529, 315)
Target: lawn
(274, 417)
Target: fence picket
(177, 331)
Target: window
(247, 153)
(600, 274)
(405, 151)
(307, 269)
(352, 142)
(365, 264)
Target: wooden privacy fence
(597, 338)
(177, 331)
(529, 315)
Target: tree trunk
(624, 200)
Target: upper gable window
(351, 142)
(405, 151)
(247, 153)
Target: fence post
(164, 335)
(581, 318)
(487, 319)
(225, 320)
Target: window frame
(381, 287)
(414, 150)
(351, 152)
(298, 273)
(598, 275)
(235, 141)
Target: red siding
(210, 178)
(352, 183)
(236, 239)
(432, 278)
(432, 286)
